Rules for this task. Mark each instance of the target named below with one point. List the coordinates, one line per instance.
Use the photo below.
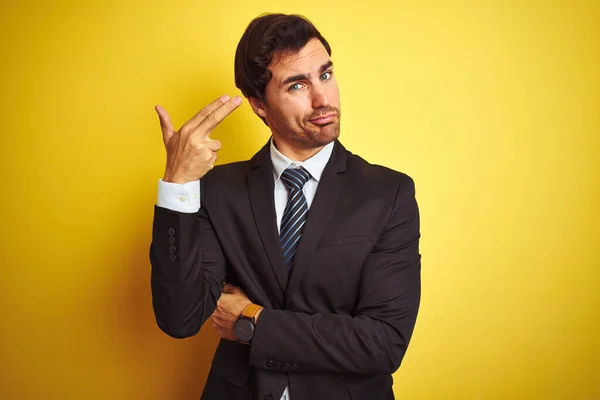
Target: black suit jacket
(338, 325)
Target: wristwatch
(243, 328)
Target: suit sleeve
(373, 340)
(188, 268)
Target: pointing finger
(218, 115)
(193, 123)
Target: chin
(314, 138)
(324, 135)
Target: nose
(319, 96)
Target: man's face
(302, 104)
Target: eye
(326, 75)
(295, 87)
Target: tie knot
(295, 178)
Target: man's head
(283, 66)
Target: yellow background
(492, 107)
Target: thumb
(165, 123)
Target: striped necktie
(295, 213)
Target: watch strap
(251, 310)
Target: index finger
(218, 115)
(193, 123)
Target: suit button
(269, 397)
(171, 231)
(172, 257)
(269, 364)
(172, 249)
(171, 239)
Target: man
(319, 248)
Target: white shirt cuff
(179, 197)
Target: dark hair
(267, 36)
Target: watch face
(243, 330)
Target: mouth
(324, 119)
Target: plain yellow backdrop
(491, 106)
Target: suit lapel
(325, 201)
(261, 188)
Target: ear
(258, 106)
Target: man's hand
(232, 302)
(191, 153)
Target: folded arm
(375, 339)
(188, 266)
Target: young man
(319, 248)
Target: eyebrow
(300, 77)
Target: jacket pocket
(374, 388)
(231, 362)
(343, 241)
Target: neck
(295, 153)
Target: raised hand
(191, 153)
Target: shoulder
(227, 175)
(393, 190)
(377, 176)
(236, 172)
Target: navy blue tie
(295, 213)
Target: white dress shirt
(186, 197)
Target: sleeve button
(172, 249)
(172, 257)
(269, 364)
(171, 239)
(171, 231)
(182, 199)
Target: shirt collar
(314, 165)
